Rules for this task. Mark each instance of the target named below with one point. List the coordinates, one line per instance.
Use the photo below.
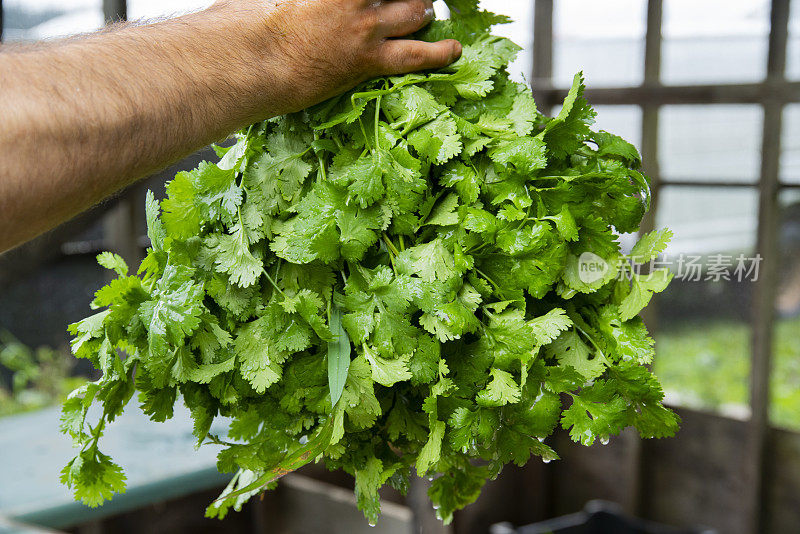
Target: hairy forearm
(82, 118)
(85, 118)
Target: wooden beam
(713, 182)
(780, 91)
(766, 286)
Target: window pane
(790, 144)
(793, 53)
(520, 31)
(709, 220)
(717, 142)
(715, 41)
(26, 20)
(625, 121)
(702, 335)
(149, 9)
(785, 400)
(605, 40)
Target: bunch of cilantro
(390, 281)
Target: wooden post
(650, 111)
(766, 286)
(543, 54)
(120, 229)
(546, 98)
(640, 503)
(120, 225)
(115, 10)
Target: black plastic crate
(598, 517)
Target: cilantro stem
(363, 130)
(402, 242)
(476, 249)
(378, 92)
(492, 282)
(591, 340)
(246, 160)
(271, 281)
(322, 172)
(212, 438)
(392, 252)
(390, 245)
(378, 122)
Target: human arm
(84, 117)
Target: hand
(320, 48)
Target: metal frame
(772, 95)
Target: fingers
(403, 56)
(398, 18)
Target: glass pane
(625, 121)
(790, 144)
(24, 20)
(520, 31)
(716, 142)
(703, 334)
(793, 53)
(149, 9)
(709, 220)
(605, 40)
(715, 41)
(785, 407)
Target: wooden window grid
(772, 94)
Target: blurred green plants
(33, 378)
(707, 366)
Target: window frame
(773, 94)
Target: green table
(158, 458)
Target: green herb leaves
(338, 355)
(412, 275)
